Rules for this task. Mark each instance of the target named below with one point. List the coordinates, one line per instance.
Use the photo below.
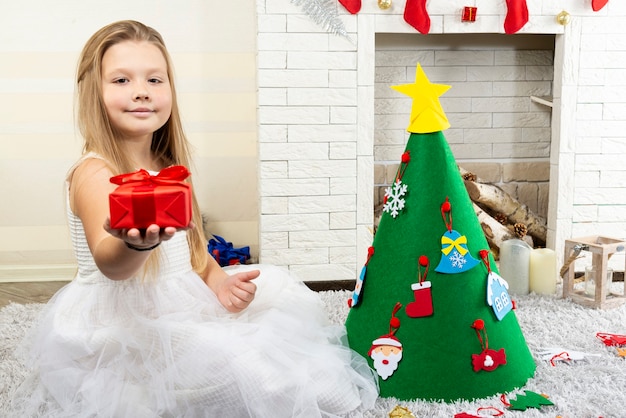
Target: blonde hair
(169, 143)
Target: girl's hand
(151, 236)
(237, 291)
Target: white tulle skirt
(169, 349)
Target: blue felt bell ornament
(455, 257)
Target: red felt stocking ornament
(416, 15)
(353, 6)
(516, 15)
(598, 4)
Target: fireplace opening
(499, 107)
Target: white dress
(165, 347)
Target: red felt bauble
(478, 324)
(394, 322)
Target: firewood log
(498, 200)
(495, 232)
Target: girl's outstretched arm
(235, 292)
(89, 200)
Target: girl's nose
(142, 95)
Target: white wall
(213, 45)
(316, 99)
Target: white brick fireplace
(317, 125)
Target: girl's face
(136, 89)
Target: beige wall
(213, 45)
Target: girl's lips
(141, 112)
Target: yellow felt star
(427, 115)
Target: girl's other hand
(237, 291)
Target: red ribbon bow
(170, 175)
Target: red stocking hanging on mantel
(416, 15)
(353, 6)
(598, 4)
(516, 15)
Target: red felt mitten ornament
(416, 15)
(516, 15)
(598, 4)
(353, 6)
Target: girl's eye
(120, 81)
(154, 80)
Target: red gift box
(143, 199)
(469, 14)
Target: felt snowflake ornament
(394, 198)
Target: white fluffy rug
(590, 388)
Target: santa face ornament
(386, 358)
(386, 351)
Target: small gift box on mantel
(469, 14)
(143, 199)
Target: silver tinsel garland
(324, 13)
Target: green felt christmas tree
(430, 311)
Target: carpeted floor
(590, 388)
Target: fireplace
(323, 100)
(498, 107)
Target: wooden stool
(601, 249)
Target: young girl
(152, 326)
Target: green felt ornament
(437, 348)
(530, 400)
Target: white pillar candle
(542, 271)
(515, 265)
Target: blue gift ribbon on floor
(225, 254)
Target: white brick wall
(317, 120)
